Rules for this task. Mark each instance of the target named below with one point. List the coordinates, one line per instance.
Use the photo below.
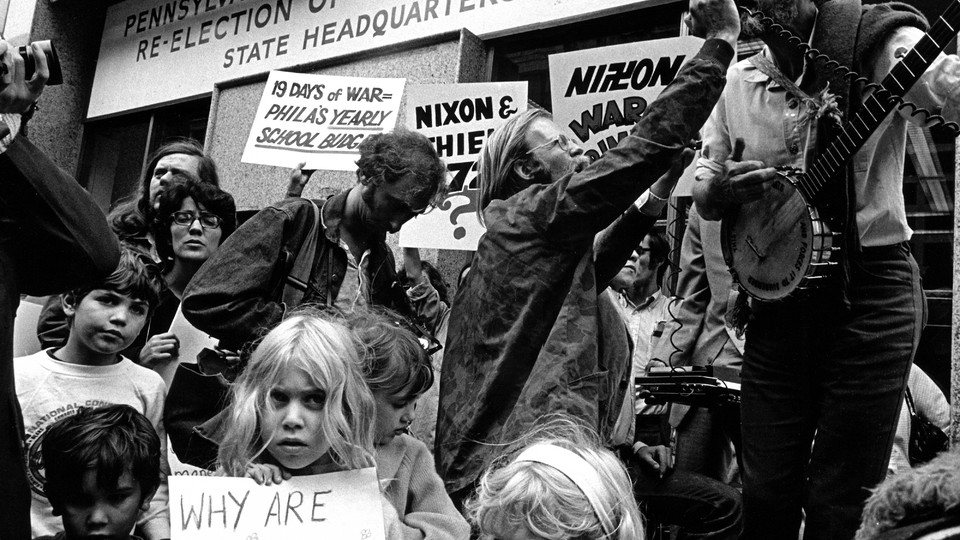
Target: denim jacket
(235, 296)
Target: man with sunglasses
(239, 292)
(533, 329)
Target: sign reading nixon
(457, 118)
(599, 94)
(320, 119)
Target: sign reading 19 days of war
(320, 119)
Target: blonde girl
(301, 406)
(558, 483)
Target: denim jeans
(703, 508)
(822, 387)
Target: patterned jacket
(530, 332)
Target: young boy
(103, 468)
(104, 318)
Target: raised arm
(49, 208)
(616, 243)
(587, 202)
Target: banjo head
(769, 244)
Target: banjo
(780, 243)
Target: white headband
(578, 471)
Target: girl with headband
(559, 484)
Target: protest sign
(320, 119)
(599, 94)
(457, 118)
(344, 505)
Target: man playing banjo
(825, 367)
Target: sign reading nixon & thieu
(457, 118)
(161, 51)
(320, 119)
(343, 505)
(599, 94)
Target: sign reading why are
(457, 118)
(343, 505)
(320, 119)
(599, 94)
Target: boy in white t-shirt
(88, 371)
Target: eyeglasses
(207, 220)
(560, 140)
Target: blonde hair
(546, 501)
(326, 352)
(496, 178)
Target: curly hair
(111, 440)
(545, 501)
(208, 196)
(326, 351)
(913, 495)
(388, 157)
(131, 217)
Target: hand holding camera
(23, 76)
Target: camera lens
(30, 65)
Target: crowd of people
(528, 426)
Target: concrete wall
(75, 28)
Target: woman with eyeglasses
(192, 219)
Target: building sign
(599, 94)
(335, 505)
(320, 119)
(458, 118)
(159, 51)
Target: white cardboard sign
(344, 505)
(320, 119)
(458, 118)
(599, 94)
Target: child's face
(106, 321)
(293, 421)
(103, 512)
(395, 413)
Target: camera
(30, 65)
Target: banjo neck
(885, 97)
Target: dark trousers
(707, 438)
(702, 507)
(822, 387)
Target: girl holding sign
(398, 371)
(301, 407)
